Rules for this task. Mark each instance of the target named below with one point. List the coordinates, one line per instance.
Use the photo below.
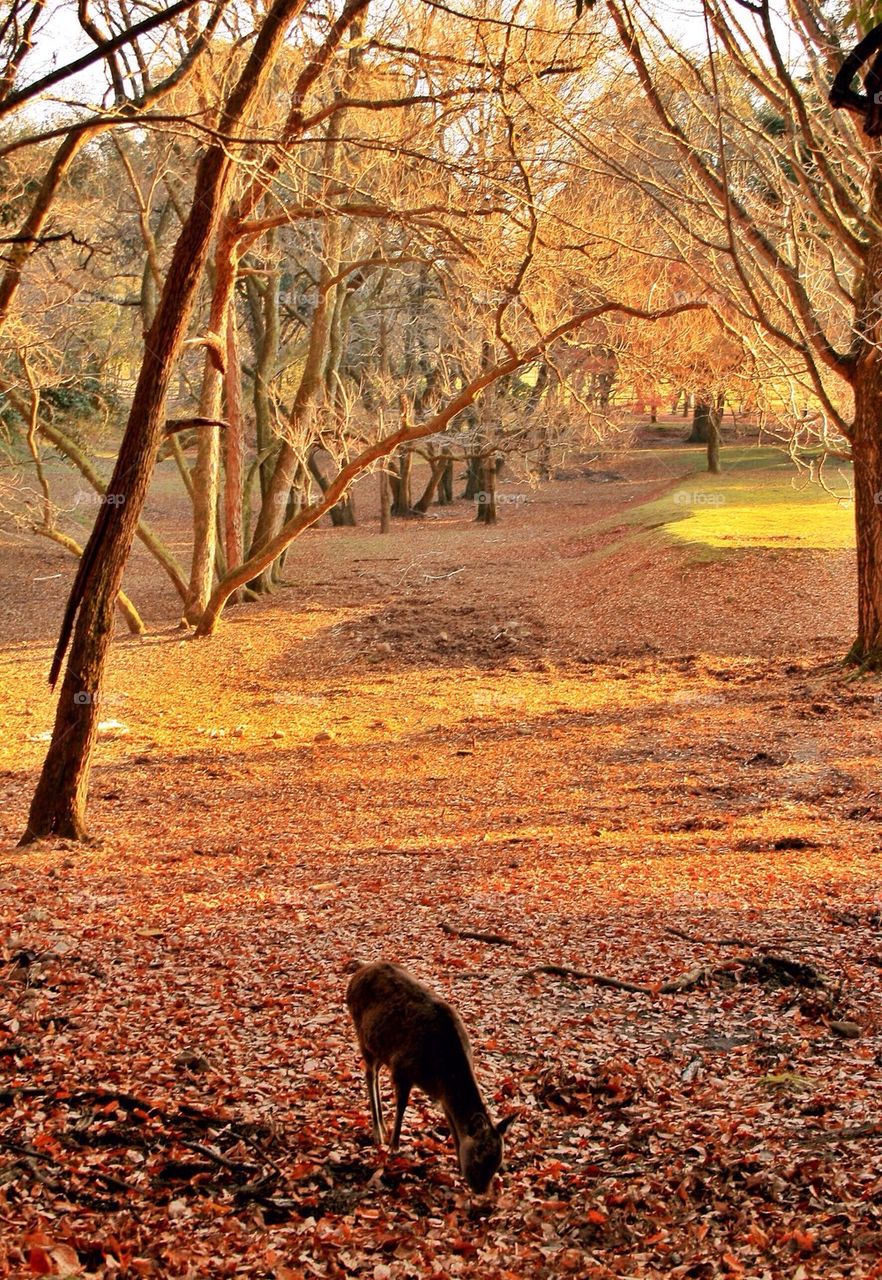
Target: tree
(327, 189)
(774, 204)
(58, 806)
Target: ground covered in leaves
(618, 803)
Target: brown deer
(403, 1026)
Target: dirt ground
(615, 756)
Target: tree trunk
(59, 803)
(713, 436)
(343, 513)
(445, 484)
(487, 494)
(866, 451)
(234, 453)
(473, 477)
(437, 466)
(385, 501)
(702, 420)
(402, 504)
(263, 305)
(206, 472)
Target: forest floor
(619, 744)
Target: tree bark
(59, 803)
(385, 501)
(234, 452)
(402, 502)
(702, 418)
(206, 472)
(486, 496)
(445, 484)
(473, 477)
(866, 449)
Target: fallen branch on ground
(492, 939)
(685, 982)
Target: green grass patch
(759, 502)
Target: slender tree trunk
(234, 453)
(445, 484)
(385, 501)
(402, 504)
(474, 474)
(264, 305)
(272, 511)
(59, 803)
(713, 436)
(206, 472)
(28, 237)
(486, 496)
(866, 451)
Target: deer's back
(402, 1024)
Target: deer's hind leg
(403, 1087)
(372, 1076)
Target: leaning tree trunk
(437, 467)
(59, 803)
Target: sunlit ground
(576, 755)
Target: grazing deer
(403, 1026)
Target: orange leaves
(48, 1258)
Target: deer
(402, 1025)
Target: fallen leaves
(181, 1095)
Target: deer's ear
(477, 1125)
(504, 1124)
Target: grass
(759, 501)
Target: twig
(493, 939)
(264, 1155)
(219, 1158)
